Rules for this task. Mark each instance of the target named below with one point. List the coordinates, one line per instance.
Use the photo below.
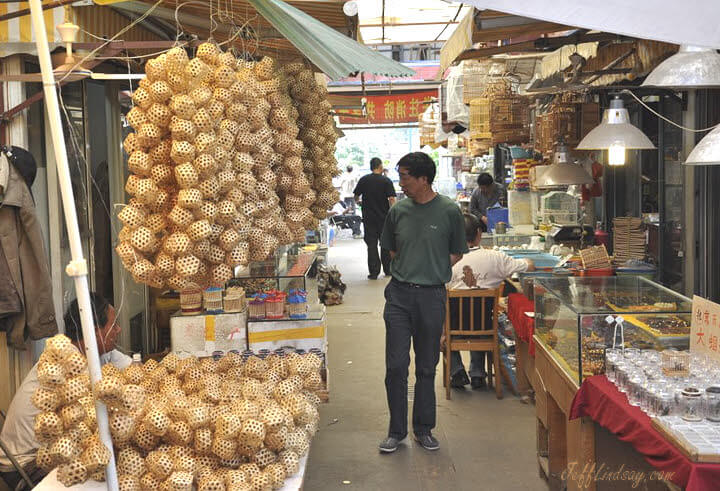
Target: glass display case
(576, 318)
(292, 267)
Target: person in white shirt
(347, 187)
(341, 215)
(480, 268)
(18, 432)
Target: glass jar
(691, 405)
(663, 403)
(636, 388)
(621, 375)
(712, 403)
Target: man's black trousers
(375, 259)
(415, 314)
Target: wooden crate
(595, 257)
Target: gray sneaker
(428, 442)
(389, 445)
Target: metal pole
(78, 266)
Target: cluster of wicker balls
(66, 426)
(218, 176)
(318, 134)
(230, 424)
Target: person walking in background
(425, 235)
(487, 194)
(347, 184)
(376, 194)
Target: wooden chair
(478, 337)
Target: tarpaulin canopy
(333, 53)
(687, 22)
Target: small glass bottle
(136, 359)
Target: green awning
(336, 55)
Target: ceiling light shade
(707, 151)
(615, 130)
(562, 172)
(692, 67)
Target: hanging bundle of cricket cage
(221, 149)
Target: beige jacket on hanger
(22, 244)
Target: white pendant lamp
(692, 67)
(563, 172)
(616, 134)
(707, 151)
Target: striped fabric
(98, 20)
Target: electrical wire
(454, 19)
(642, 103)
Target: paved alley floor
(486, 443)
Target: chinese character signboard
(705, 328)
(391, 108)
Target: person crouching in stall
(480, 268)
(343, 216)
(18, 434)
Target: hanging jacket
(22, 245)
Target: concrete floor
(486, 444)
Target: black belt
(415, 285)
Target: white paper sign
(705, 327)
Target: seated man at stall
(480, 268)
(18, 433)
(344, 217)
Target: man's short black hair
(472, 225)
(349, 168)
(73, 328)
(419, 164)
(485, 179)
(375, 163)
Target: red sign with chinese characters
(705, 328)
(392, 108)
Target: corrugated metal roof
(334, 54)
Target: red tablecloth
(524, 326)
(599, 399)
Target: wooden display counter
(560, 442)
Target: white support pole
(77, 267)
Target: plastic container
(495, 215)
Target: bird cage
(560, 208)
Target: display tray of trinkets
(577, 318)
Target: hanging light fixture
(616, 134)
(692, 67)
(707, 151)
(562, 172)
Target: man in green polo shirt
(425, 235)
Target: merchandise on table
(297, 304)
(191, 300)
(213, 300)
(275, 305)
(234, 300)
(256, 306)
(180, 422)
